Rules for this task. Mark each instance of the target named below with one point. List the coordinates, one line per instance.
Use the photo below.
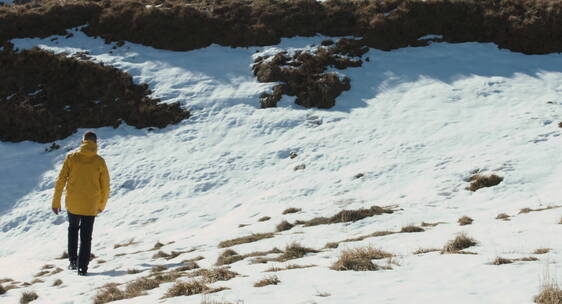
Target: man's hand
(56, 211)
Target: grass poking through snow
(270, 280)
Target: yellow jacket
(86, 178)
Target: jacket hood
(88, 148)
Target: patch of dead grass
(479, 181)
(214, 275)
(57, 282)
(465, 220)
(291, 210)
(28, 296)
(288, 267)
(529, 210)
(411, 228)
(503, 216)
(359, 238)
(264, 219)
(129, 243)
(360, 259)
(345, 216)
(284, 226)
(541, 251)
(245, 239)
(270, 280)
(186, 289)
(456, 245)
(426, 250)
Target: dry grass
(63, 256)
(48, 266)
(264, 219)
(6, 280)
(37, 281)
(345, 216)
(360, 259)
(158, 268)
(283, 226)
(137, 286)
(214, 275)
(157, 246)
(55, 271)
(129, 243)
(27, 297)
(270, 280)
(541, 251)
(110, 293)
(550, 292)
(424, 224)
(57, 282)
(528, 210)
(168, 256)
(2, 290)
(186, 289)
(411, 228)
(426, 250)
(291, 210)
(503, 216)
(195, 259)
(462, 241)
(133, 271)
(479, 181)
(359, 238)
(295, 251)
(288, 267)
(188, 266)
(229, 256)
(465, 220)
(245, 239)
(41, 273)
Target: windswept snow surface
(416, 123)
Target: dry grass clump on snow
(168, 256)
(284, 226)
(158, 268)
(550, 292)
(528, 210)
(411, 228)
(48, 266)
(359, 238)
(129, 243)
(502, 261)
(58, 282)
(479, 181)
(214, 275)
(503, 216)
(462, 241)
(157, 246)
(37, 281)
(291, 210)
(229, 256)
(186, 289)
(133, 271)
(270, 280)
(63, 256)
(424, 224)
(465, 220)
(360, 259)
(426, 250)
(289, 267)
(188, 266)
(2, 289)
(27, 297)
(245, 239)
(345, 216)
(541, 251)
(264, 219)
(41, 273)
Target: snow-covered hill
(417, 123)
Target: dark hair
(90, 136)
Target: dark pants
(85, 224)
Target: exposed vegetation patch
(465, 220)
(502, 261)
(550, 294)
(133, 271)
(503, 216)
(359, 238)
(270, 280)
(27, 297)
(245, 239)
(169, 256)
(347, 216)
(479, 181)
(291, 252)
(188, 266)
(264, 219)
(2, 289)
(46, 97)
(541, 251)
(360, 259)
(129, 243)
(426, 250)
(462, 241)
(288, 267)
(284, 226)
(214, 275)
(303, 73)
(186, 289)
(230, 256)
(411, 228)
(424, 224)
(57, 282)
(529, 210)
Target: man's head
(90, 136)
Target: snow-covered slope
(417, 122)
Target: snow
(416, 123)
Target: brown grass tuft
(229, 256)
(295, 251)
(48, 266)
(479, 181)
(129, 243)
(291, 210)
(158, 268)
(270, 280)
(245, 239)
(528, 210)
(465, 220)
(345, 216)
(289, 267)
(186, 289)
(214, 275)
(426, 250)
(503, 216)
(188, 266)
(502, 261)
(63, 256)
(283, 226)
(359, 238)
(541, 251)
(133, 271)
(27, 297)
(550, 293)
(57, 282)
(411, 228)
(424, 224)
(462, 241)
(360, 259)
(41, 273)
(37, 281)
(137, 286)
(265, 218)
(157, 246)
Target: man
(86, 178)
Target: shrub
(27, 297)
(283, 226)
(462, 241)
(465, 220)
(270, 280)
(478, 181)
(245, 239)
